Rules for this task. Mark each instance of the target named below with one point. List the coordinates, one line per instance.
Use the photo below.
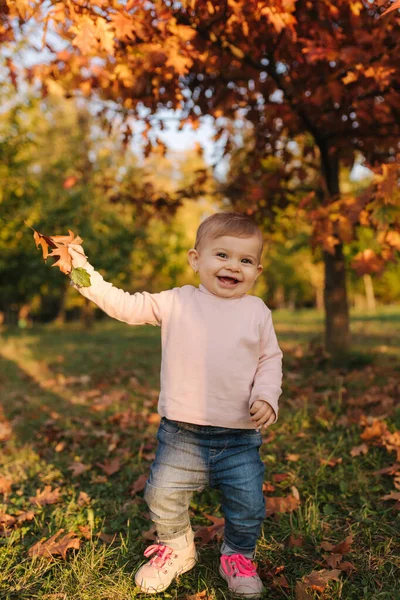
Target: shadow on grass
(63, 429)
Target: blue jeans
(191, 457)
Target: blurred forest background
(295, 112)
(60, 169)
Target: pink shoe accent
(239, 565)
(163, 554)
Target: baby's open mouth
(229, 280)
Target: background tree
(61, 170)
(328, 69)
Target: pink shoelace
(238, 565)
(163, 554)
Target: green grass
(75, 396)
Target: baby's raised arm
(135, 309)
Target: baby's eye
(247, 261)
(222, 254)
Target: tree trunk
(87, 314)
(319, 298)
(279, 297)
(337, 331)
(369, 293)
(60, 318)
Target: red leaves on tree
(395, 6)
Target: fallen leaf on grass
(280, 504)
(346, 566)
(317, 581)
(153, 419)
(392, 470)
(328, 546)
(150, 456)
(46, 496)
(296, 541)
(25, 516)
(150, 535)
(280, 581)
(83, 499)
(110, 466)
(198, 596)
(55, 545)
(278, 477)
(267, 487)
(340, 548)
(207, 533)
(78, 468)
(292, 457)
(98, 478)
(343, 547)
(60, 446)
(332, 560)
(85, 531)
(5, 485)
(301, 591)
(6, 522)
(139, 485)
(332, 462)
(108, 538)
(392, 496)
(376, 430)
(5, 431)
(357, 450)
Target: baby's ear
(193, 259)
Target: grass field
(79, 416)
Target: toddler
(221, 375)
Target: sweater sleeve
(268, 378)
(135, 309)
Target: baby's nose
(234, 266)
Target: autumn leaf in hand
(64, 262)
(59, 250)
(44, 241)
(59, 246)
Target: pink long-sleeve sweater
(219, 355)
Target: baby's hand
(262, 414)
(77, 253)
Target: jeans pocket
(170, 427)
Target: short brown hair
(228, 223)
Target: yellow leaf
(356, 8)
(349, 78)
(85, 35)
(236, 51)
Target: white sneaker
(241, 576)
(159, 572)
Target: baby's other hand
(262, 414)
(77, 253)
